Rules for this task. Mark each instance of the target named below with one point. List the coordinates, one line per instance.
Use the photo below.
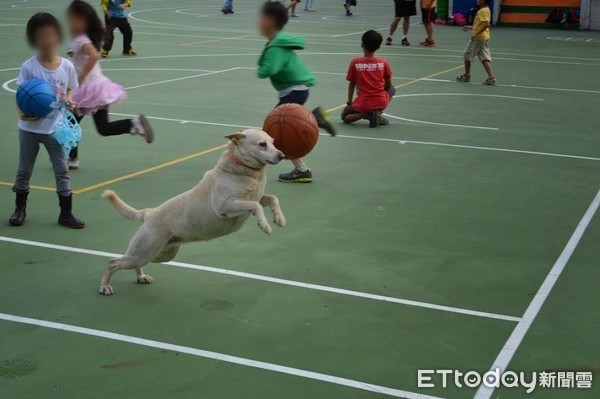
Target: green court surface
(431, 243)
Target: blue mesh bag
(68, 131)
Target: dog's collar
(240, 162)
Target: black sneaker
(323, 120)
(381, 121)
(348, 13)
(490, 82)
(388, 41)
(405, 42)
(373, 118)
(296, 176)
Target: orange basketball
(294, 129)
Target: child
(44, 35)
(347, 5)
(479, 45)
(428, 16)
(288, 73)
(403, 9)
(292, 8)
(227, 7)
(115, 18)
(96, 93)
(373, 78)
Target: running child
(478, 45)
(288, 74)
(115, 18)
(45, 36)
(348, 4)
(372, 76)
(96, 93)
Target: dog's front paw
(145, 279)
(279, 219)
(265, 226)
(106, 290)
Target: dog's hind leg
(168, 253)
(145, 245)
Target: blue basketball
(36, 97)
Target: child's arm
(69, 100)
(270, 63)
(125, 4)
(26, 118)
(104, 8)
(351, 89)
(93, 57)
(388, 83)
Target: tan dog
(219, 205)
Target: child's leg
(228, 5)
(63, 182)
(467, 68)
(109, 34)
(349, 115)
(405, 26)
(58, 159)
(28, 151)
(429, 30)
(106, 128)
(487, 65)
(125, 28)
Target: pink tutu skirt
(91, 97)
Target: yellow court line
(43, 188)
(148, 170)
(433, 75)
(222, 39)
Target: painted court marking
(275, 280)
(440, 124)
(400, 141)
(515, 339)
(364, 386)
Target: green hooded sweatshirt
(281, 64)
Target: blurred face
(46, 39)
(266, 26)
(76, 24)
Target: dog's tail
(125, 210)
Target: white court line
(515, 339)
(364, 386)
(468, 95)
(440, 124)
(275, 280)
(400, 141)
(182, 78)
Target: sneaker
(323, 120)
(381, 121)
(131, 52)
(348, 13)
(388, 41)
(296, 176)
(405, 42)
(293, 15)
(427, 43)
(490, 82)
(373, 118)
(463, 78)
(104, 53)
(73, 163)
(142, 128)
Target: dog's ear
(235, 137)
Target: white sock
(136, 126)
(302, 167)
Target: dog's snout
(281, 155)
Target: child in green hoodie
(289, 75)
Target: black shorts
(428, 15)
(295, 97)
(405, 8)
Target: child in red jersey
(371, 77)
